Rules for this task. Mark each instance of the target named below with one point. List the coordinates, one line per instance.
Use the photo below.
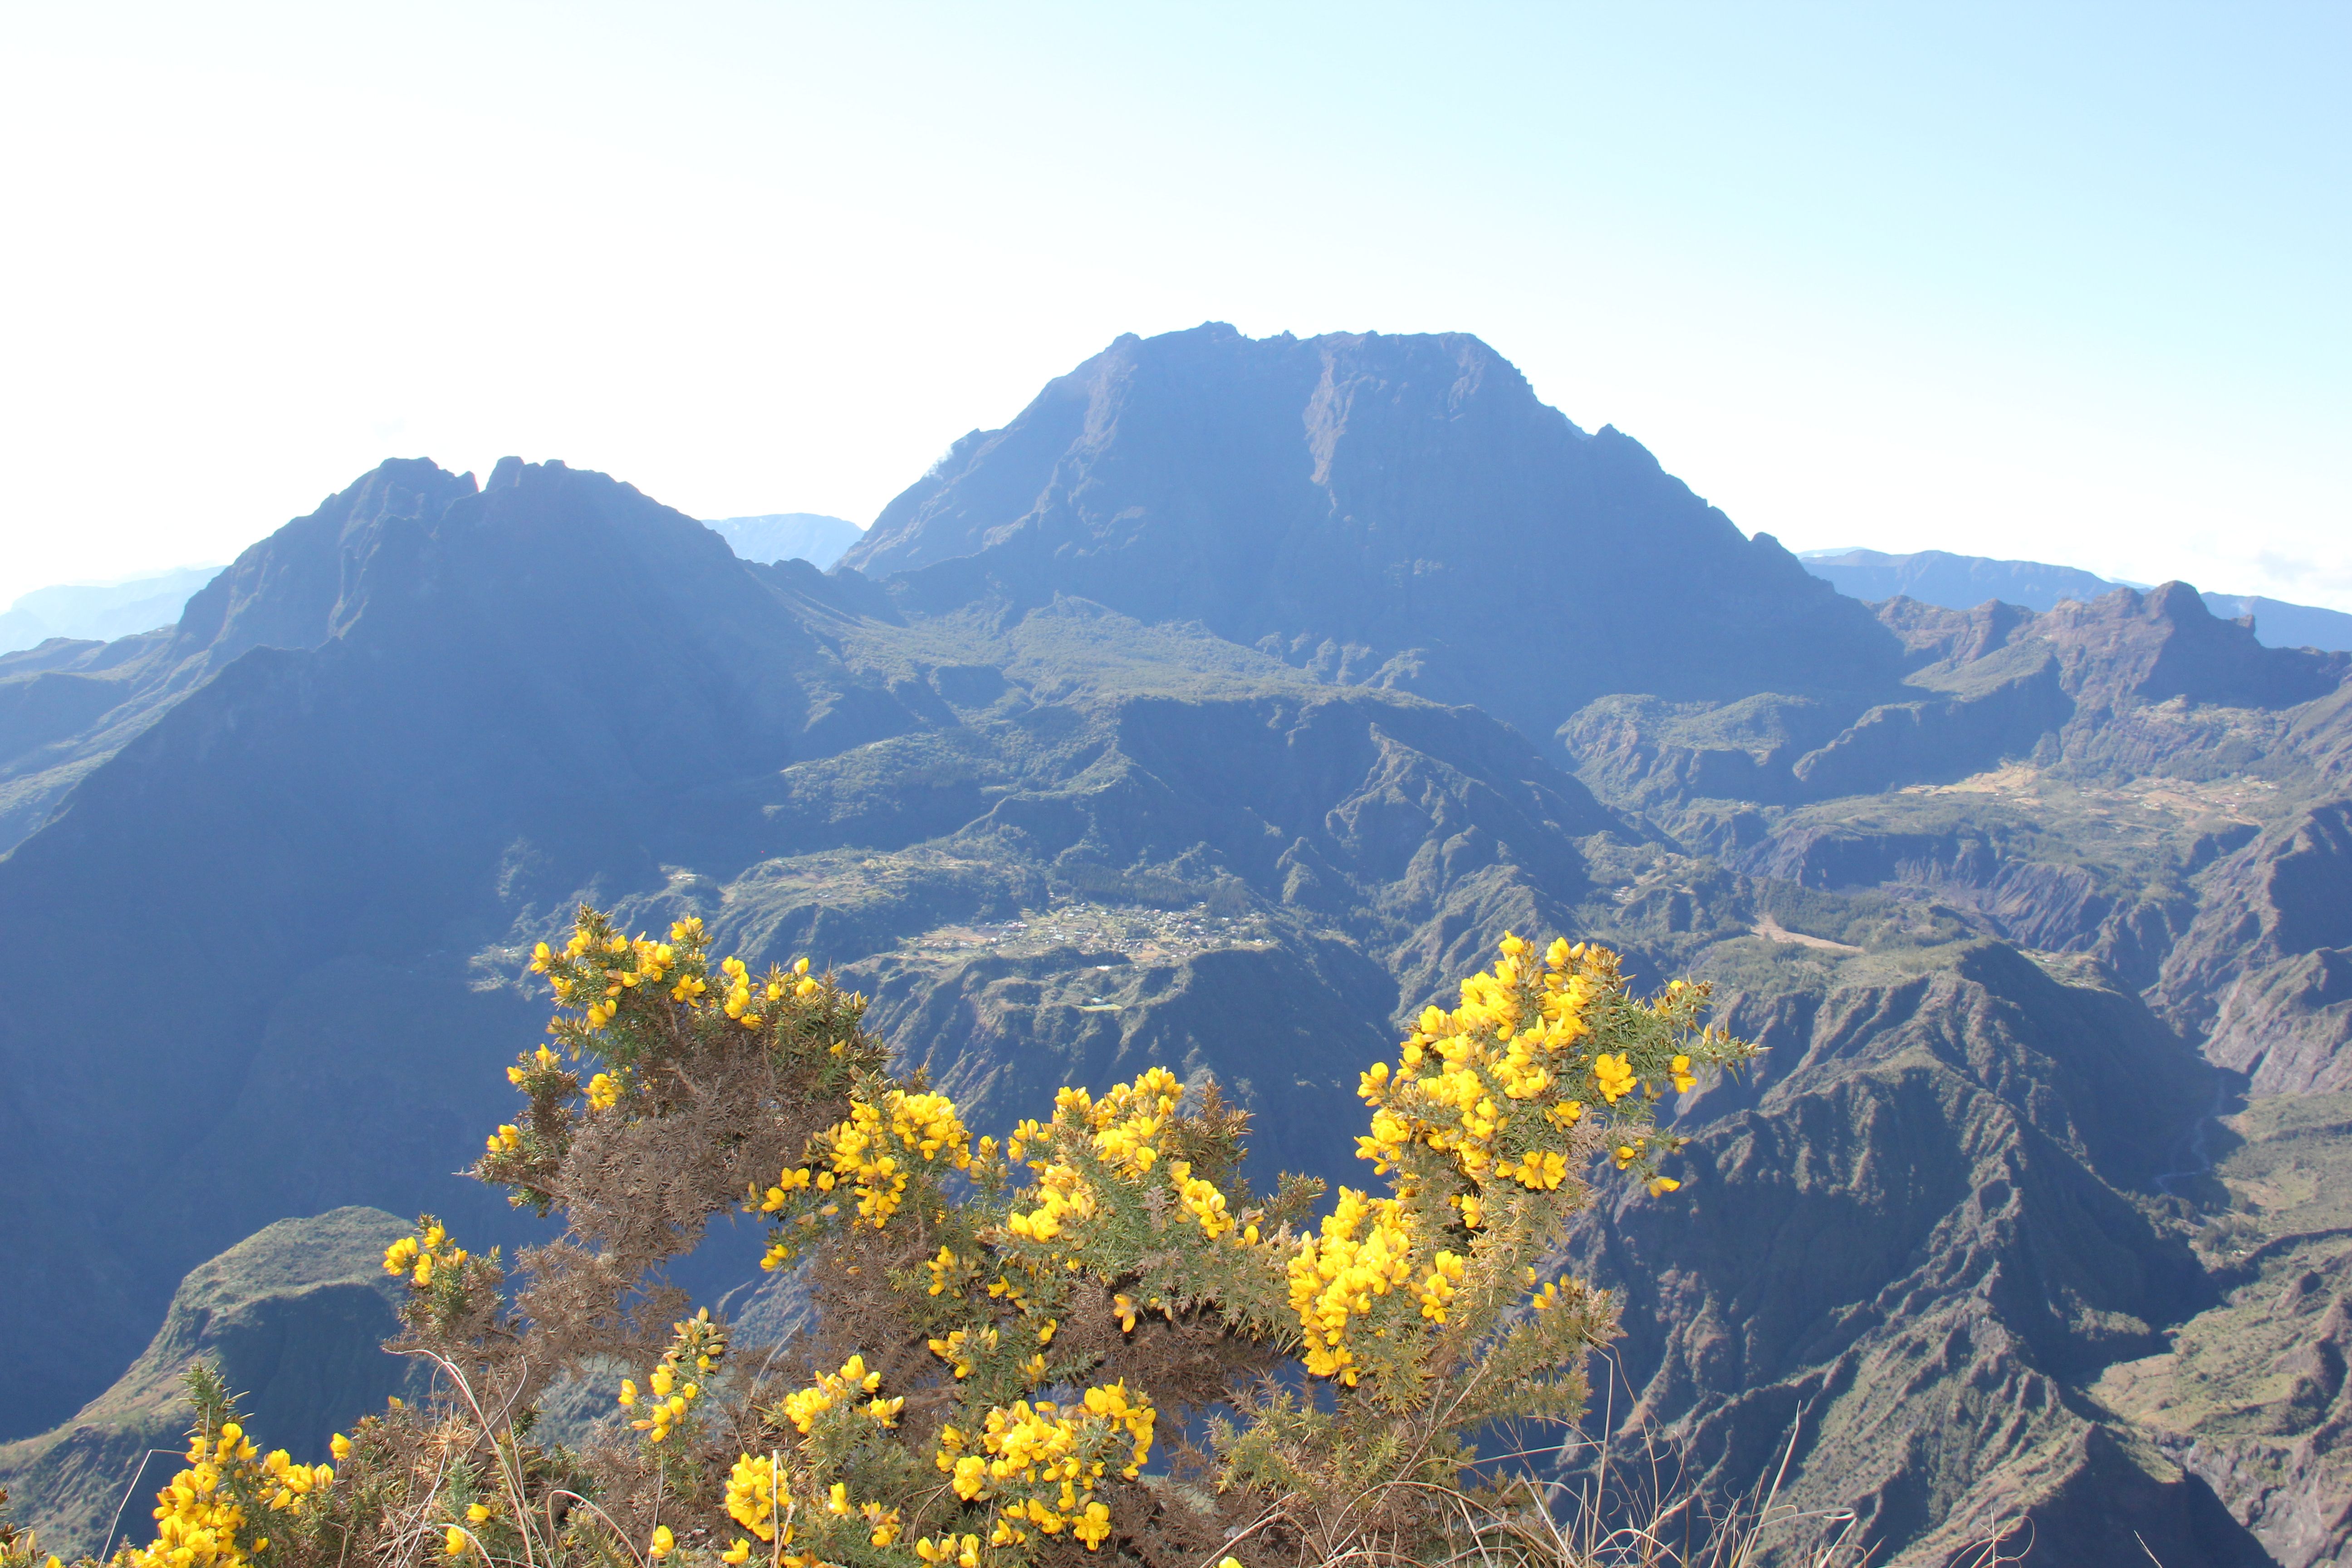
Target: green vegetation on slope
(2252, 1394)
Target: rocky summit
(1221, 711)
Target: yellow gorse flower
(1499, 1084)
(1365, 1251)
(836, 1389)
(200, 1520)
(1039, 1461)
(697, 1343)
(431, 1255)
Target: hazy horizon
(2050, 286)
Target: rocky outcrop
(2265, 971)
(1904, 1251)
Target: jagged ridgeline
(1219, 715)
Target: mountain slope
(2251, 1395)
(516, 692)
(2122, 687)
(1397, 511)
(1907, 1242)
(66, 707)
(554, 688)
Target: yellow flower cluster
(834, 1389)
(1126, 1120)
(541, 1060)
(697, 1343)
(1203, 1202)
(1335, 1276)
(1056, 1454)
(1122, 1129)
(424, 1255)
(751, 1497)
(1511, 1042)
(741, 1004)
(882, 1523)
(1614, 1077)
(295, 1481)
(875, 1152)
(1495, 1083)
(666, 1402)
(631, 963)
(1445, 1272)
(1063, 1198)
(598, 969)
(756, 1503)
(759, 1501)
(869, 1148)
(199, 1519)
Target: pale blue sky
(2061, 283)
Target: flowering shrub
(1089, 1340)
(231, 1503)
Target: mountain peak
(1351, 501)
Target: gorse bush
(1085, 1341)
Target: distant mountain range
(1964, 582)
(809, 536)
(103, 613)
(1220, 711)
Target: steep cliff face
(1398, 510)
(2265, 972)
(1905, 1249)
